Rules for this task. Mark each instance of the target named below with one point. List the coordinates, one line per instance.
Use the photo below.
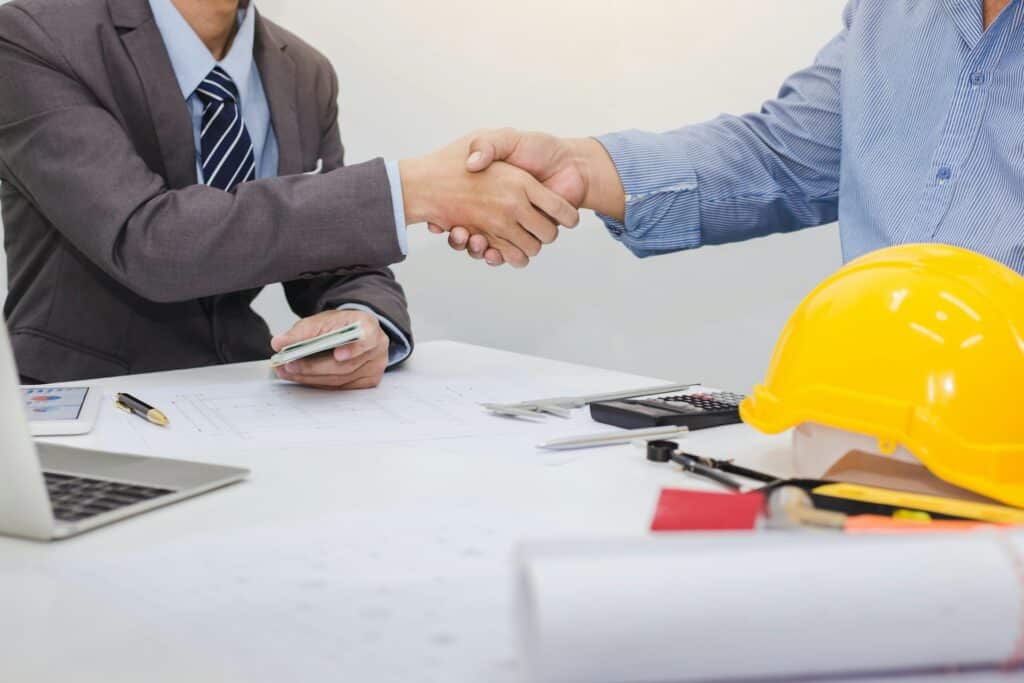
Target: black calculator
(695, 410)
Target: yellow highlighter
(982, 512)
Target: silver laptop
(49, 492)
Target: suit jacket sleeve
(375, 288)
(73, 159)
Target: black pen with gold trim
(130, 404)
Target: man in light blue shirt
(907, 128)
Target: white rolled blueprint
(738, 606)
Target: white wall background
(415, 75)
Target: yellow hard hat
(920, 346)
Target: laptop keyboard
(77, 498)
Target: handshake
(503, 194)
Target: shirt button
(977, 78)
(944, 175)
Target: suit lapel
(277, 71)
(172, 121)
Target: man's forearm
(604, 191)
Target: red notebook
(680, 510)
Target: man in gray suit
(162, 160)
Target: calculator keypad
(710, 403)
(694, 410)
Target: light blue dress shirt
(907, 128)
(192, 62)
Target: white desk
(384, 564)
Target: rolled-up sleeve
(662, 197)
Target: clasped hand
(513, 209)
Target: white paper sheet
(741, 606)
(278, 414)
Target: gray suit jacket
(118, 261)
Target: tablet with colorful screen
(61, 411)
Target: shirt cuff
(662, 194)
(400, 346)
(398, 201)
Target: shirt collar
(190, 58)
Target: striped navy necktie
(227, 150)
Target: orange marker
(877, 524)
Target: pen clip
(121, 406)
